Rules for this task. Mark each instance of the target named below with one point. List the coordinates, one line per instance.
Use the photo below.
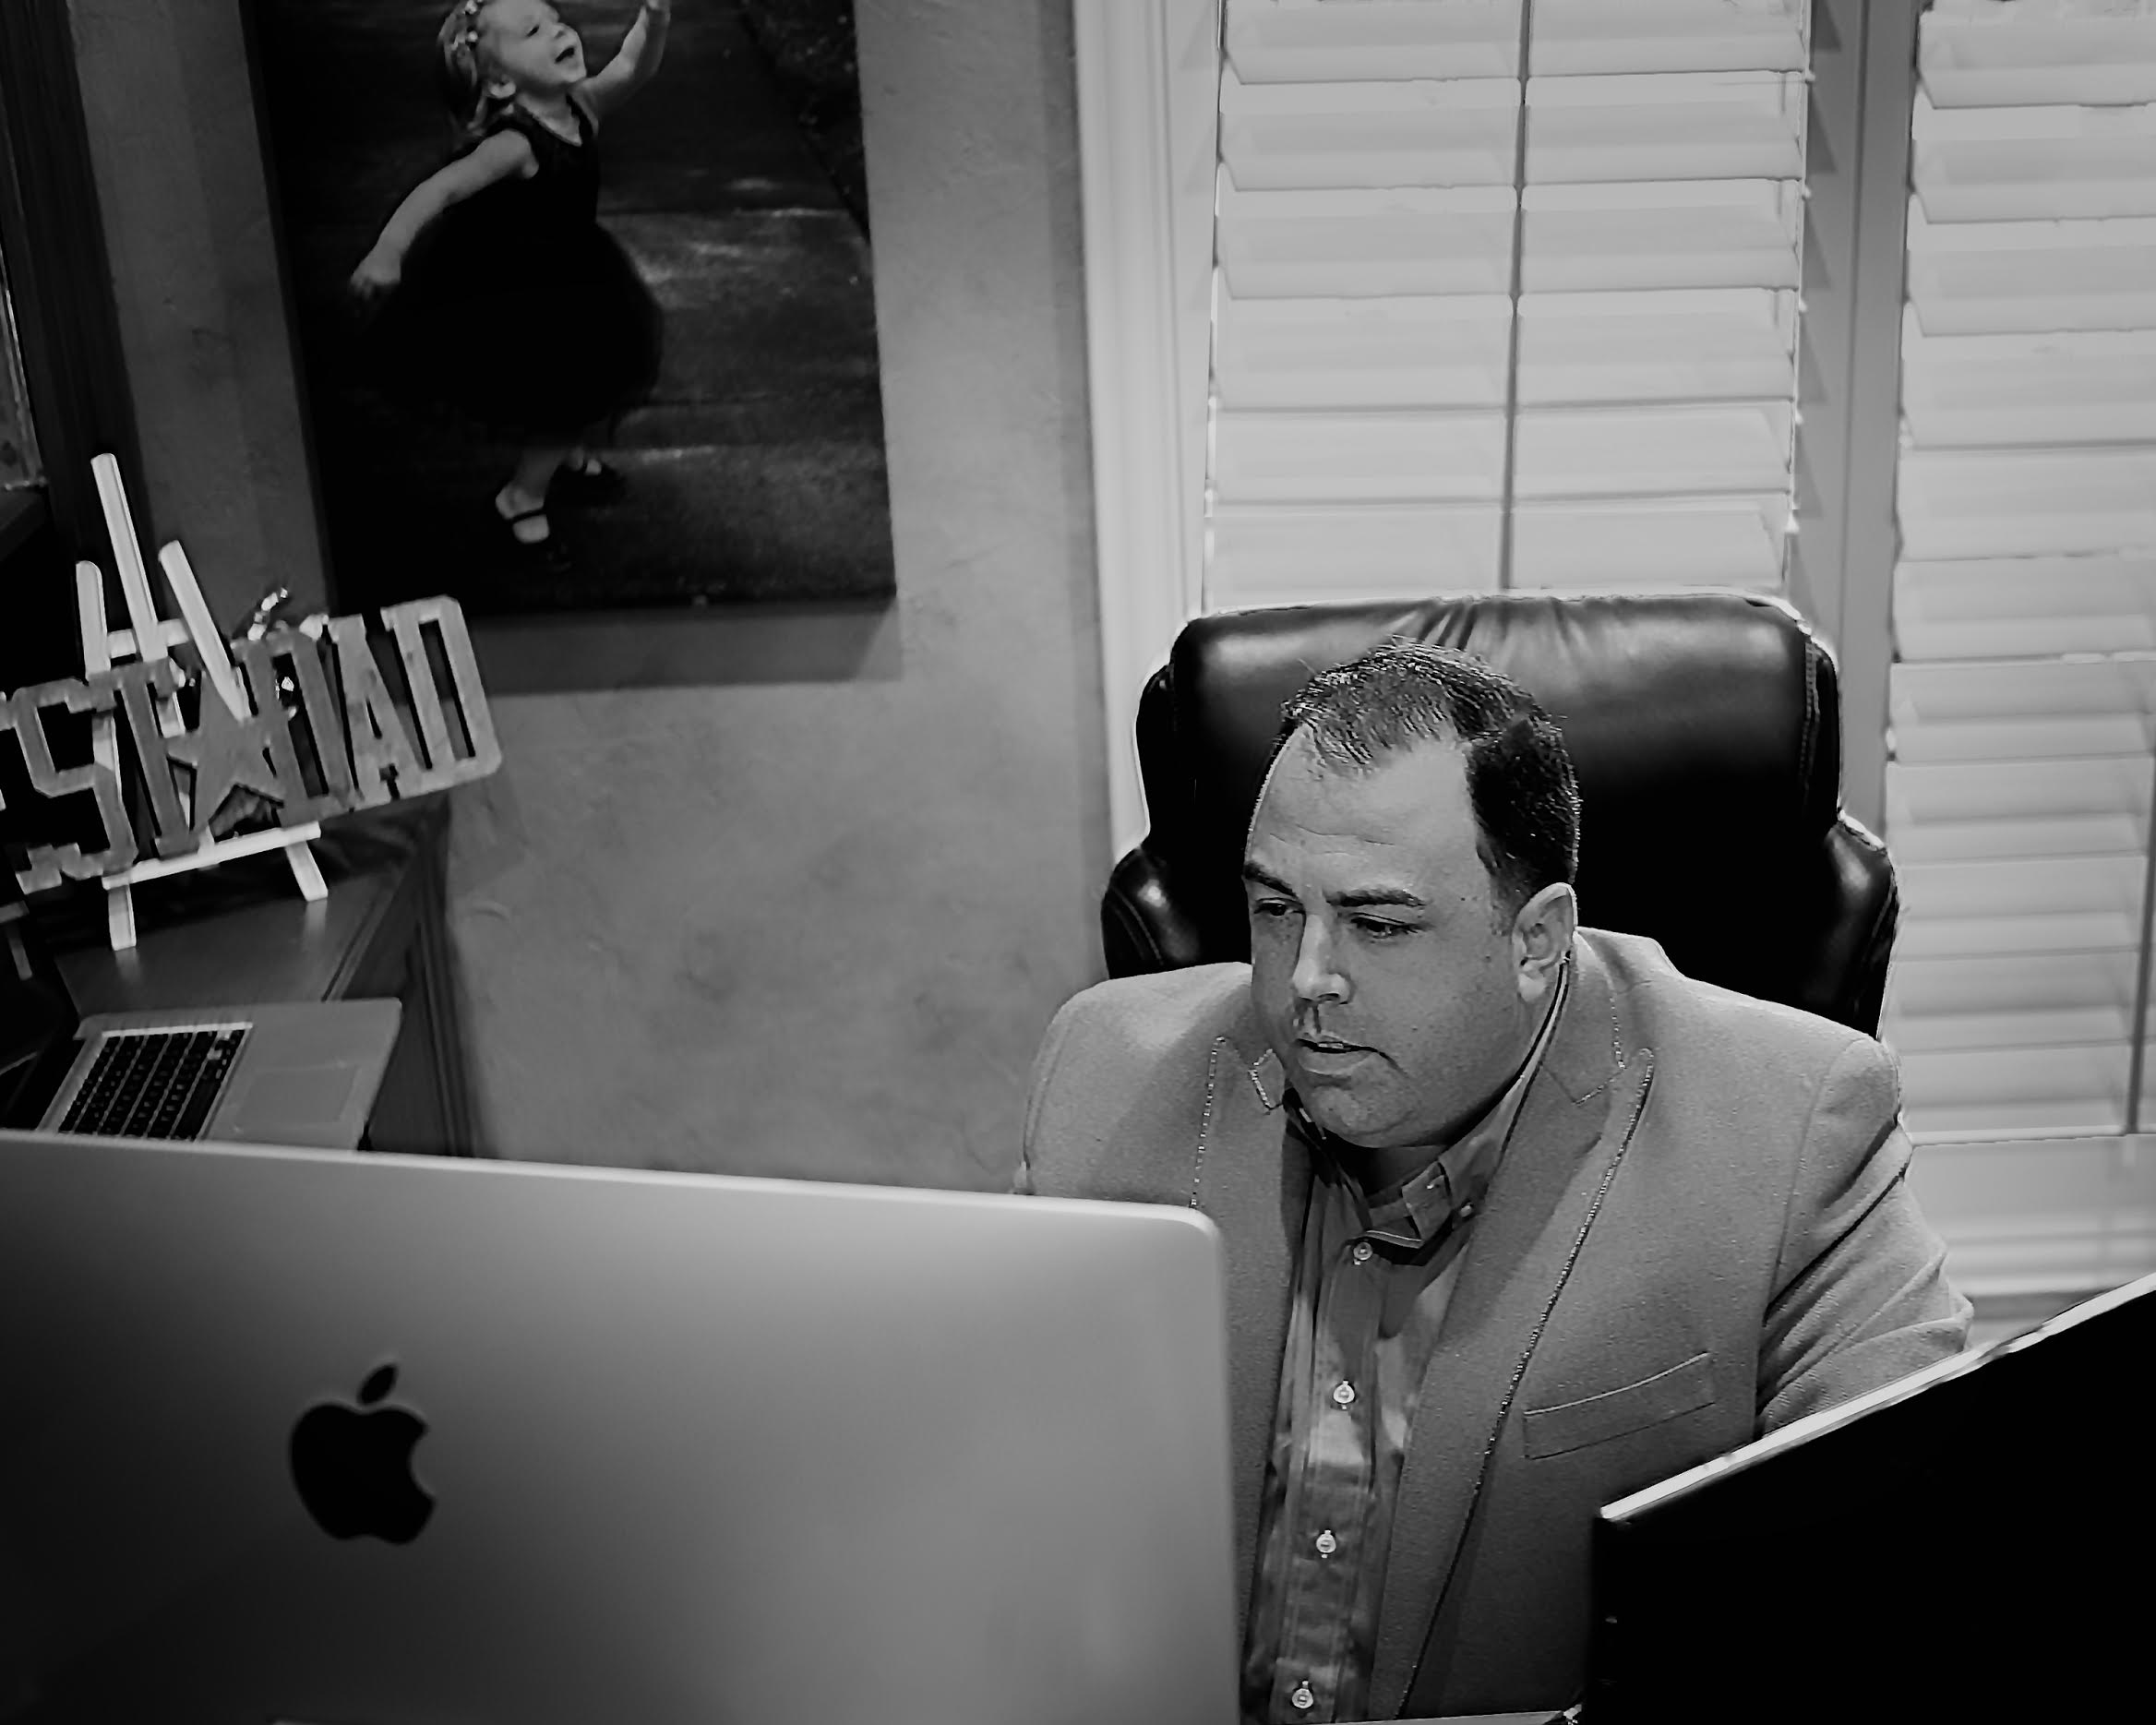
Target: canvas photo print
(581, 297)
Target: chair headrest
(1703, 727)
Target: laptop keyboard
(154, 1084)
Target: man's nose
(1317, 972)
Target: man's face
(1381, 972)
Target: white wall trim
(2041, 1214)
(1148, 83)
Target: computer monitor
(1974, 1542)
(290, 1435)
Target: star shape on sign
(229, 754)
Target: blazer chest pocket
(1596, 1419)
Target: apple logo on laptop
(353, 1464)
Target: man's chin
(1331, 1104)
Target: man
(1518, 1218)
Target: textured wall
(768, 892)
(164, 89)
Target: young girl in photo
(500, 293)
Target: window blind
(1411, 391)
(2023, 695)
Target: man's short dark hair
(1520, 781)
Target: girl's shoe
(539, 556)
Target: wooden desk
(241, 932)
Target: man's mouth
(1328, 1044)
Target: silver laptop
(295, 1436)
(302, 1074)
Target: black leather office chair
(1706, 731)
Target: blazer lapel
(1252, 1176)
(1573, 1128)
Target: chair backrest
(1705, 728)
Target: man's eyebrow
(1378, 895)
(1362, 899)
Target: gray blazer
(1701, 1231)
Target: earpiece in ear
(1541, 940)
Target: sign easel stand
(151, 636)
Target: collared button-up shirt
(1372, 1283)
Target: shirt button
(1362, 1252)
(1343, 1393)
(1327, 1544)
(1302, 1698)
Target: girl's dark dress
(517, 308)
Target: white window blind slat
(2034, 503)
(1591, 36)
(1449, 351)
(2004, 739)
(1992, 1003)
(1980, 278)
(2047, 388)
(1387, 39)
(1461, 132)
(2000, 607)
(1267, 41)
(1739, 126)
(1675, 345)
(2037, 53)
(2029, 710)
(1435, 352)
(2015, 1092)
(1356, 243)
(2005, 164)
(1962, 811)
(1652, 452)
(1341, 244)
(1576, 454)
(1297, 137)
(1957, 909)
(1651, 546)
(1395, 458)
(1662, 234)
(1305, 556)
(1988, 929)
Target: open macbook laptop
(304, 1073)
(296, 1436)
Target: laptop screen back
(386, 1439)
(1967, 1544)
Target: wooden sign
(368, 719)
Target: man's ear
(1541, 939)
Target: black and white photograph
(1294, 863)
(582, 297)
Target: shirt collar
(1448, 1191)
